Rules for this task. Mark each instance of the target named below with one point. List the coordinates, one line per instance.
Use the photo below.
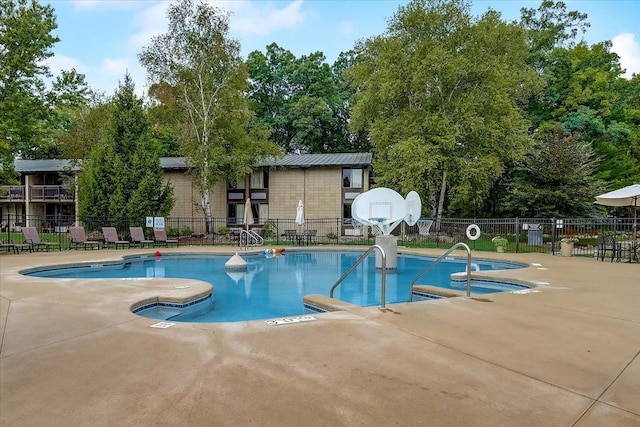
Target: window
(238, 184)
(346, 210)
(352, 178)
(259, 179)
(235, 213)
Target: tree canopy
(122, 178)
(440, 94)
(201, 64)
(303, 101)
(28, 98)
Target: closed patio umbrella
(626, 196)
(300, 213)
(248, 214)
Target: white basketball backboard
(378, 207)
(414, 208)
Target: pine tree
(122, 179)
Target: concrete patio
(565, 354)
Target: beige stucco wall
(319, 189)
(187, 196)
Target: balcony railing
(12, 193)
(37, 193)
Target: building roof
(48, 165)
(319, 160)
(173, 163)
(288, 161)
(293, 161)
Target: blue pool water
(275, 286)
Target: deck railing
(12, 193)
(37, 193)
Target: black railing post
(553, 236)
(517, 234)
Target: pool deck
(565, 354)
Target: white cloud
(246, 17)
(60, 62)
(114, 66)
(628, 49)
(150, 22)
(111, 72)
(348, 28)
(263, 17)
(103, 4)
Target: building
(325, 183)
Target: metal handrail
(383, 284)
(257, 239)
(436, 262)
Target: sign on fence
(158, 222)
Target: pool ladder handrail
(436, 262)
(383, 277)
(245, 235)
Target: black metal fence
(542, 235)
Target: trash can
(535, 235)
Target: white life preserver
(474, 236)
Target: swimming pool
(275, 286)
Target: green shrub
(268, 229)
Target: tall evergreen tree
(122, 179)
(556, 178)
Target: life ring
(476, 233)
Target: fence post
(553, 236)
(517, 234)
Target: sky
(102, 38)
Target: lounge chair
(138, 238)
(111, 238)
(31, 237)
(77, 237)
(160, 236)
(15, 247)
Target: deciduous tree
(439, 94)
(304, 101)
(202, 64)
(28, 123)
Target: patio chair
(15, 247)
(309, 236)
(607, 243)
(290, 235)
(111, 238)
(138, 237)
(32, 238)
(77, 237)
(160, 237)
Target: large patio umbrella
(626, 196)
(248, 214)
